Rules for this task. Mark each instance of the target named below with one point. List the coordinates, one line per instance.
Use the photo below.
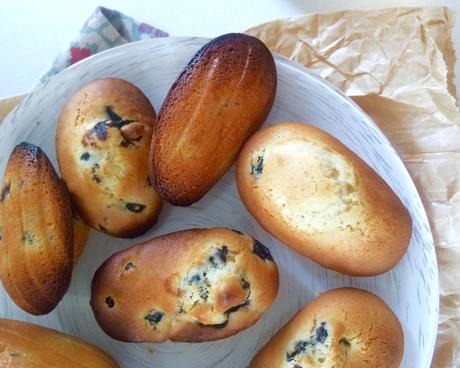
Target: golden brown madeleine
(80, 236)
(318, 197)
(342, 328)
(25, 345)
(36, 238)
(102, 144)
(223, 95)
(192, 285)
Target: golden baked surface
(318, 197)
(342, 328)
(36, 241)
(102, 143)
(80, 236)
(25, 345)
(223, 95)
(192, 285)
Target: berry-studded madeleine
(342, 328)
(102, 144)
(193, 285)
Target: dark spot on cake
(299, 348)
(112, 114)
(5, 191)
(154, 317)
(129, 141)
(20, 183)
(102, 228)
(319, 337)
(115, 120)
(344, 341)
(85, 156)
(149, 182)
(129, 265)
(100, 130)
(257, 169)
(236, 231)
(219, 257)
(109, 302)
(194, 279)
(245, 284)
(30, 148)
(97, 178)
(212, 261)
(135, 207)
(223, 253)
(321, 333)
(262, 251)
(28, 238)
(203, 291)
(237, 307)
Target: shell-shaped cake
(223, 95)
(36, 236)
(192, 285)
(102, 144)
(318, 197)
(341, 328)
(26, 345)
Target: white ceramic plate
(410, 289)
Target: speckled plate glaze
(410, 289)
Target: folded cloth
(104, 29)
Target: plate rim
(303, 70)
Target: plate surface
(410, 289)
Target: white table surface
(33, 32)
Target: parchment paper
(398, 65)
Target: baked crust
(26, 345)
(318, 197)
(192, 285)
(343, 327)
(36, 239)
(223, 95)
(102, 143)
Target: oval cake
(342, 328)
(36, 236)
(102, 144)
(318, 197)
(223, 95)
(25, 345)
(192, 285)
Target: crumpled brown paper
(398, 65)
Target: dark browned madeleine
(223, 95)
(193, 285)
(25, 345)
(102, 144)
(36, 236)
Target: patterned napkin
(104, 29)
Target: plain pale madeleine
(318, 197)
